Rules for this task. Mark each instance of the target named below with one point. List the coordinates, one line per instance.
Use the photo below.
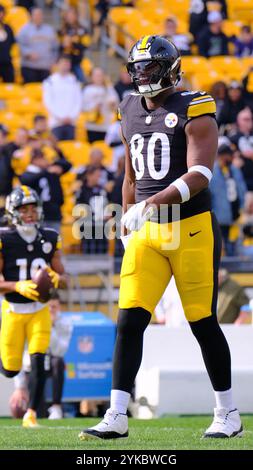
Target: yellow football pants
(188, 249)
(16, 328)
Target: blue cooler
(88, 372)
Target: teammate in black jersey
(24, 248)
(171, 142)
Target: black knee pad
(133, 320)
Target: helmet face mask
(154, 65)
(19, 198)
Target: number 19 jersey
(21, 259)
(157, 143)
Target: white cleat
(225, 424)
(113, 426)
(55, 412)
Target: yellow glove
(55, 277)
(27, 289)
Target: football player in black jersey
(24, 248)
(171, 143)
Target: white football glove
(134, 218)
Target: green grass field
(169, 433)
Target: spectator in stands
(228, 191)
(212, 41)
(6, 171)
(7, 40)
(28, 4)
(182, 41)
(63, 100)
(113, 139)
(247, 226)
(41, 131)
(248, 88)
(231, 297)
(14, 150)
(38, 46)
(243, 140)
(91, 188)
(3, 136)
(244, 44)
(124, 85)
(101, 11)
(115, 195)
(73, 41)
(20, 141)
(42, 138)
(60, 338)
(100, 102)
(219, 93)
(45, 179)
(94, 195)
(199, 11)
(96, 160)
(233, 104)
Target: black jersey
(22, 259)
(157, 143)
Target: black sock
(36, 380)
(127, 357)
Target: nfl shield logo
(85, 344)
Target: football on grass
(44, 284)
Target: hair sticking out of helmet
(154, 65)
(20, 197)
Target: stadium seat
(231, 28)
(11, 120)
(16, 18)
(204, 81)
(25, 105)
(76, 152)
(230, 67)
(120, 16)
(247, 64)
(7, 4)
(241, 10)
(10, 91)
(179, 8)
(33, 91)
(191, 63)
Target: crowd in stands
(58, 128)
